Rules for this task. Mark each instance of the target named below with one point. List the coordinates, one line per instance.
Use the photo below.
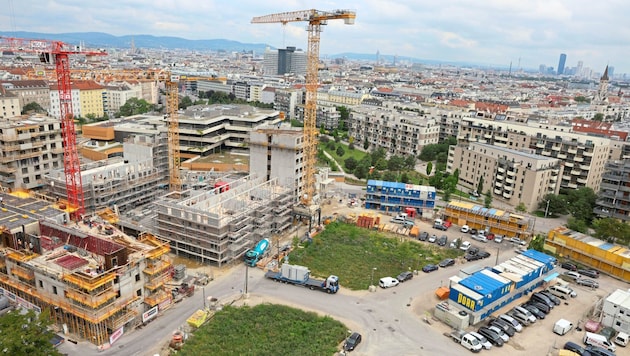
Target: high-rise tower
(563, 60)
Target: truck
(404, 219)
(466, 340)
(254, 255)
(301, 276)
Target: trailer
(300, 276)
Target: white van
(387, 282)
(622, 339)
(598, 340)
(562, 292)
(562, 326)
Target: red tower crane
(60, 52)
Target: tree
(410, 162)
(404, 177)
(134, 106)
(429, 168)
(340, 151)
(378, 154)
(598, 117)
(580, 203)
(32, 107)
(396, 163)
(480, 185)
(612, 230)
(577, 225)
(185, 102)
(344, 115)
(361, 171)
(487, 201)
(538, 242)
(389, 176)
(557, 205)
(521, 208)
(351, 146)
(26, 334)
(366, 144)
(350, 164)
(381, 164)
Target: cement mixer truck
(253, 256)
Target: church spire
(605, 76)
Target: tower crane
(315, 19)
(60, 52)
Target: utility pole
(547, 209)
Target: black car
(477, 256)
(352, 342)
(429, 268)
(543, 307)
(571, 346)
(598, 351)
(404, 276)
(423, 236)
(440, 227)
(473, 231)
(492, 336)
(446, 262)
(568, 265)
(442, 240)
(535, 311)
(551, 297)
(589, 273)
(501, 324)
(541, 298)
(473, 250)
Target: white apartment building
(9, 104)
(55, 110)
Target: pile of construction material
(368, 221)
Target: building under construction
(218, 221)
(95, 281)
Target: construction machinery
(59, 53)
(315, 19)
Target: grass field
(356, 154)
(351, 253)
(266, 329)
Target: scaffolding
(494, 220)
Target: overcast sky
(480, 31)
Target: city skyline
(492, 32)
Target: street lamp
(547, 209)
(372, 278)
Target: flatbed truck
(300, 276)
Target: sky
(495, 32)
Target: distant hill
(99, 39)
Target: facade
(561, 62)
(399, 132)
(30, 148)
(284, 61)
(55, 110)
(513, 176)
(327, 116)
(589, 251)
(496, 221)
(30, 91)
(616, 311)
(217, 226)
(90, 98)
(93, 284)
(116, 96)
(287, 101)
(614, 197)
(9, 104)
(583, 156)
(397, 197)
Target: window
(139, 292)
(41, 284)
(137, 277)
(54, 289)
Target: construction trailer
(217, 226)
(94, 285)
(496, 221)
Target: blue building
(561, 63)
(397, 197)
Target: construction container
(414, 232)
(466, 297)
(442, 293)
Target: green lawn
(351, 253)
(356, 154)
(266, 329)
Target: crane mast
(315, 19)
(60, 53)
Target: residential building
(55, 110)
(90, 98)
(94, 280)
(30, 148)
(115, 96)
(614, 197)
(268, 95)
(29, 91)
(327, 116)
(398, 131)
(287, 100)
(514, 176)
(9, 104)
(616, 311)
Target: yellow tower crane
(315, 19)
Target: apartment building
(55, 110)
(327, 116)
(29, 91)
(115, 96)
(514, 176)
(93, 279)
(30, 148)
(614, 197)
(398, 131)
(287, 101)
(9, 104)
(583, 156)
(90, 98)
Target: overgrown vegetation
(351, 252)
(266, 329)
(26, 334)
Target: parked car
(589, 273)
(465, 246)
(404, 276)
(522, 319)
(490, 236)
(551, 297)
(515, 323)
(477, 256)
(543, 307)
(455, 242)
(498, 238)
(541, 298)
(535, 311)
(423, 236)
(568, 265)
(473, 250)
(517, 241)
(501, 333)
(433, 238)
(473, 231)
(492, 336)
(598, 351)
(572, 274)
(388, 282)
(440, 227)
(352, 342)
(507, 328)
(429, 268)
(482, 339)
(587, 282)
(447, 262)
(442, 240)
(465, 228)
(562, 292)
(526, 313)
(572, 346)
(480, 238)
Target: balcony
(497, 191)
(92, 301)
(568, 164)
(556, 148)
(572, 151)
(562, 156)
(157, 298)
(507, 195)
(577, 159)
(501, 170)
(509, 180)
(584, 167)
(498, 184)
(572, 185)
(575, 172)
(540, 145)
(156, 267)
(582, 180)
(587, 154)
(553, 178)
(546, 153)
(23, 273)
(511, 173)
